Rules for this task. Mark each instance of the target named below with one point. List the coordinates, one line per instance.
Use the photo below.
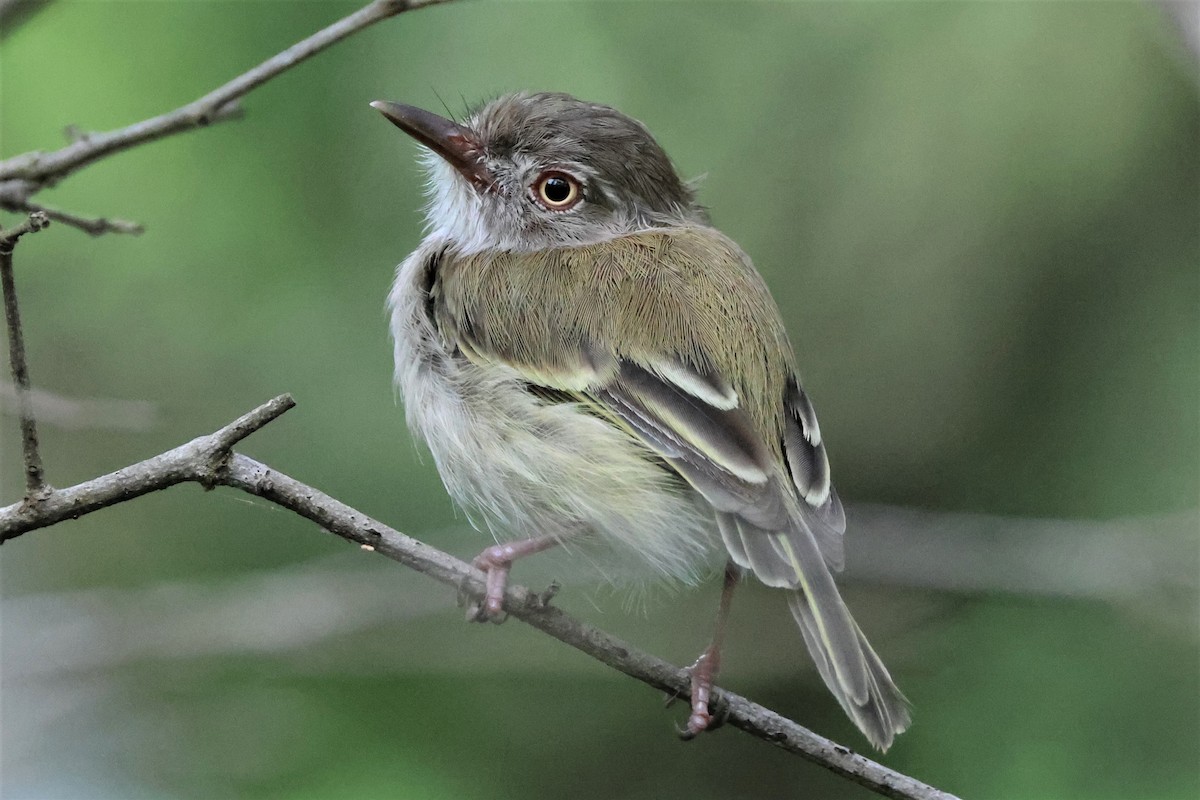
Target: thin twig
(24, 175)
(94, 226)
(207, 460)
(34, 475)
(199, 460)
(32, 224)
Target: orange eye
(556, 191)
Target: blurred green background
(982, 222)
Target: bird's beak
(458, 145)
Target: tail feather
(728, 526)
(885, 712)
(791, 559)
(831, 618)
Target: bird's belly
(534, 467)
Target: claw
(473, 605)
(697, 724)
(701, 719)
(703, 722)
(479, 611)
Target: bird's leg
(496, 561)
(704, 671)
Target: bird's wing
(702, 434)
(808, 466)
(692, 421)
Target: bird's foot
(704, 716)
(495, 562)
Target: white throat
(455, 212)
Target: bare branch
(47, 168)
(24, 175)
(208, 460)
(34, 223)
(34, 478)
(199, 460)
(250, 422)
(94, 226)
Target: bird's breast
(529, 462)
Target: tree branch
(209, 461)
(34, 474)
(200, 460)
(93, 226)
(24, 175)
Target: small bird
(592, 363)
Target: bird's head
(531, 171)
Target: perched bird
(589, 360)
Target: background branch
(313, 605)
(15, 12)
(209, 461)
(81, 413)
(95, 226)
(1138, 560)
(16, 351)
(1184, 16)
(24, 175)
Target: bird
(591, 362)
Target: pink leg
(496, 561)
(704, 671)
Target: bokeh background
(982, 223)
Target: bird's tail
(791, 559)
(884, 712)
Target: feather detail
(885, 711)
(706, 386)
(833, 621)
(732, 538)
(808, 466)
(806, 456)
(683, 303)
(721, 436)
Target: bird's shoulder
(685, 292)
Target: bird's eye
(556, 191)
